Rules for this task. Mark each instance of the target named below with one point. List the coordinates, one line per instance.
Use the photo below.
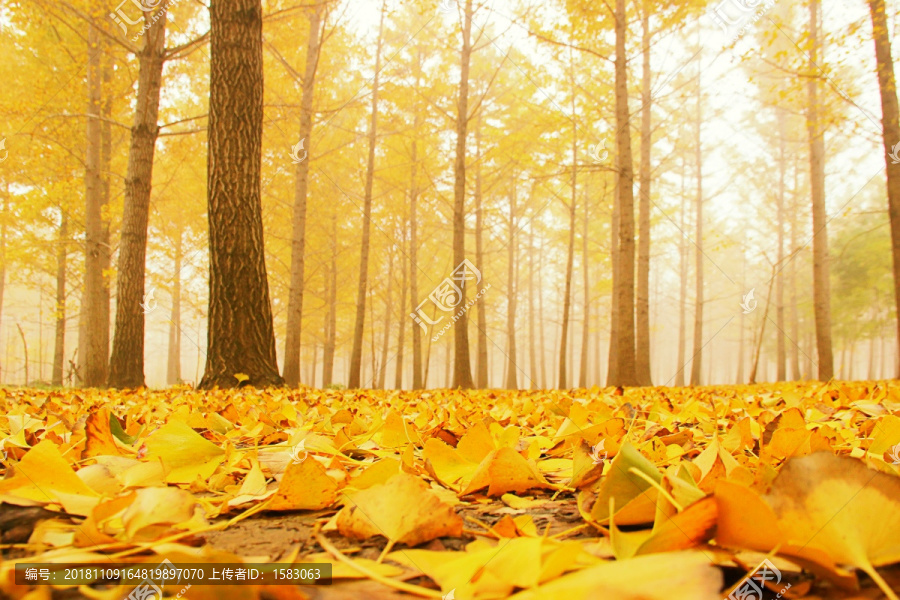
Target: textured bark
(821, 284)
(512, 291)
(360, 323)
(241, 338)
(642, 352)
(626, 374)
(462, 367)
(331, 322)
(481, 364)
(292, 340)
(890, 122)
(62, 255)
(95, 306)
(781, 352)
(126, 364)
(697, 352)
(173, 365)
(683, 277)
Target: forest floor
(651, 493)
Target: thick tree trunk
(683, 277)
(626, 374)
(481, 364)
(891, 134)
(821, 284)
(331, 323)
(292, 340)
(512, 291)
(126, 364)
(62, 254)
(642, 352)
(697, 353)
(241, 338)
(359, 326)
(95, 306)
(462, 367)
(173, 365)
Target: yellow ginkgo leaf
(305, 486)
(184, 453)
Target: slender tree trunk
(401, 334)
(643, 270)
(612, 368)
(796, 374)
(293, 338)
(683, 277)
(762, 334)
(570, 257)
(462, 369)
(126, 364)
(512, 291)
(386, 338)
(417, 381)
(532, 342)
(541, 346)
(697, 354)
(586, 326)
(24, 350)
(891, 135)
(781, 356)
(62, 254)
(359, 327)
(241, 337)
(821, 284)
(95, 307)
(481, 364)
(331, 324)
(173, 366)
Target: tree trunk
(386, 338)
(586, 325)
(796, 374)
(541, 345)
(24, 350)
(401, 334)
(643, 269)
(95, 306)
(626, 374)
(241, 337)
(683, 276)
(462, 369)
(62, 253)
(512, 290)
(293, 338)
(781, 355)
(612, 367)
(570, 257)
(821, 284)
(481, 364)
(331, 323)
(697, 354)
(126, 364)
(891, 134)
(173, 365)
(532, 316)
(417, 381)
(359, 327)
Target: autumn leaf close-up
(449, 299)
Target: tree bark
(462, 367)
(360, 323)
(512, 359)
(887, 84)
(642, 351)
(173, 365)
(292, 342)
(62, 253)
(95, 306)
(697, 353)
(241, 337)
(821, 284)
(626, 374)
(126, 364)
(481, 364)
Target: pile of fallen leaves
(652, 493)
